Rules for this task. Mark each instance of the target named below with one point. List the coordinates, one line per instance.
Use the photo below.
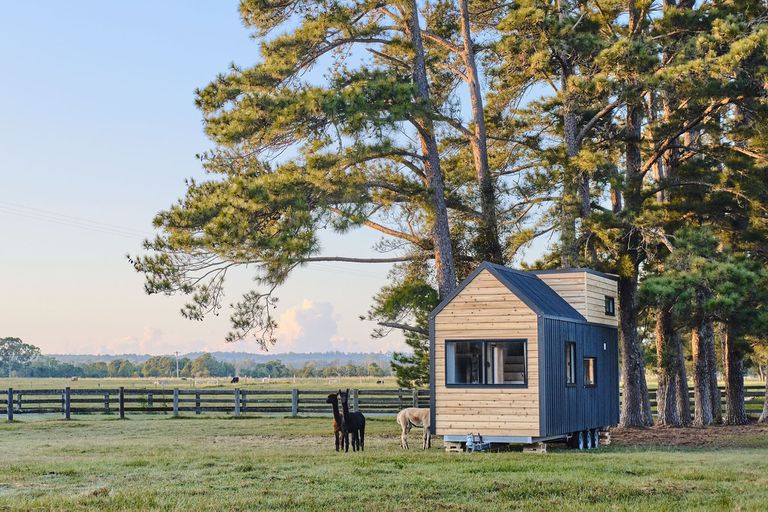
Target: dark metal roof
(534, 292)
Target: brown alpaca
(338, 421)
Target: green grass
(281, 463)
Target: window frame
(610, 300)
(570, 349)
(594, 371)
(484, 342)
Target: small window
(483, 363)
(570, 363)
(589, 372)
(610, 305)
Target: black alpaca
(338, 421)
(354, 422)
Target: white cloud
(315, 327)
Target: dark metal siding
(569, 409)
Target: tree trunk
(667, 355)
(569, 244)
(635, 405)
(736, 413)
(487, 241)
(570, 206)
(715, 399)
(683, 398)
(444, 263)
(764, 415)
(702, 395)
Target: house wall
(597, 287)
(486, 309)
(568, 409)
(585, 292)
(572, 286)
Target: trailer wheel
(581, 442)
(590, 443)
(595, 438)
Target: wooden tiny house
(521, 357)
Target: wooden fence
(122, 401)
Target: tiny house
(523, 357)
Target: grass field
(280, 463)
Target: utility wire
(69, 220)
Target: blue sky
(98, 131)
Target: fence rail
(122, 401)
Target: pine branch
(405, 327)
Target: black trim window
(486, 363)
(570, 363)
(590, 372)
(610, 305)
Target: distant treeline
(205, 365)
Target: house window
(486, 362)
(610, 305)
(590, 367)
(570, 363)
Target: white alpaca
(414, 417)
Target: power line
(70, 220)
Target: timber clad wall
(585, 291)
(486, 309)
(597, 288)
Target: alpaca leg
(336, 433)
(362, 438)
(406, 431)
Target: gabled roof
(534, 292)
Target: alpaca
(414, 417)
(338, 421)
(354, 422)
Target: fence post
(150, 400)
(400, 398)
(294, 402)
(176, 402)
(237, 402)
(106, 402)
(67, 404)
(9, 405)
(415, 397)
(355, 401)
(197, 403)
(121, 404)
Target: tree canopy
(462, 132)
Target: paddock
(212, 462)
